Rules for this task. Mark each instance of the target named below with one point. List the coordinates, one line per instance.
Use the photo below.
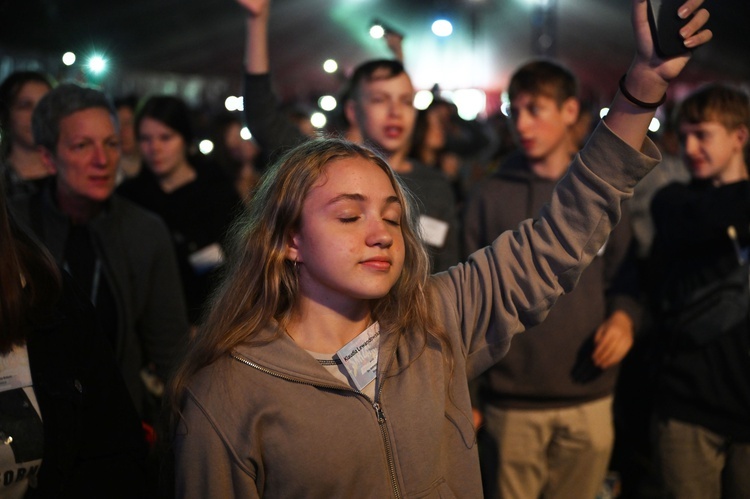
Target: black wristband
(639, 103)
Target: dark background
(491, 37)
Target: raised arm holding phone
(333, 365)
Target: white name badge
(360, 356)
(434, 231)
(207, 258)
(14, 369)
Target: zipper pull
(379, 412)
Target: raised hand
(694, 34)
(255, 8)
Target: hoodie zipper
(388, 450)
(375, 405)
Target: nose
(691, 145)
(521, 120)
(100, 156)
(379, 234)
(396, 108)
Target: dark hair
(62, 101)
(31, 281)
(720, 102)
(9, 90)
(129, 101)
(378, 69)
(544, 77)
(170, 110)
(422, 126)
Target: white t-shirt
(356, 363)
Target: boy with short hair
(380, 104)
(548, 404)
(701, 249)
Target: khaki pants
(697, 463)
(554, 454)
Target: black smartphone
(665, 27)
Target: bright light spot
(505, 108)
(377, 31)
(505, 104)
(541, 3)
(97, 64)
(330, 66)
(442, 27)
(327, 103)
(234, 103)
(603, 112)
(470, 102)
(245, 133)
(318, 120)
(655, 125)
(69, 58)
(206, 146)
(423, 99)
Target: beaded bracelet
(639, 103)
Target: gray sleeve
(510, 285)
(205, 463)
(163, 324)
(472, 222)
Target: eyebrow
(360, 198)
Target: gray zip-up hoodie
(269, 421)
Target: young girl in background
(333, 365)
(195, 200)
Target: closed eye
(395, 223)
(348, 220)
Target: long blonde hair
(260, 285)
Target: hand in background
(613, 340)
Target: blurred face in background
(21, 110)
(126, 117)
(163, 149)
(436, 130)
(714, 152)
(542, 125)
(385, 113)
(86, 157)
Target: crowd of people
(338, 314)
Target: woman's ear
(292, 248)
(48, 160)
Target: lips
(377, 263)
(393, 131)
(100, 179)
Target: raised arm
(273, 130)
(649, 75)
(256, 42)
(510, 285)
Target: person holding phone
(332, 363)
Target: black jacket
(93, 442)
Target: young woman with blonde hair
(333, 365)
